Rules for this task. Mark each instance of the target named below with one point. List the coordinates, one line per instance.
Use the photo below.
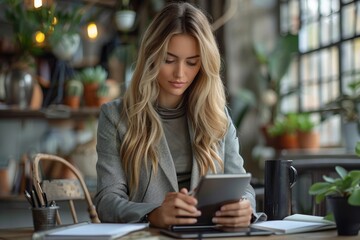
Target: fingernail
(214, 220)
(218, 213)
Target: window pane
(313, 35)
(335, 32)
(313, 8)
(325, 31)
(357, 54)
(335, 5)
(289, 104)
(325, 7)
(348, 20)
(358, 18)
(303, 39)
(335, 62)
(330, 131)
(346, 80)
(346, 57)
(325, 62)
(314, 66)
(310, 96)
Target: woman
(170, 128)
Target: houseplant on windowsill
(343, 197)
(284, 132)
(307, 136)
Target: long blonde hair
(206, 100)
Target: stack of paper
(88, 231)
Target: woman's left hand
(236, 214)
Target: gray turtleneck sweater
(177, 136)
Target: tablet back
(216, 190)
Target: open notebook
(295, 224)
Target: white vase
(351, 136)
(67, 46)
(124, 19)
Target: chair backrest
(62, 189)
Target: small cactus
(93, 75)
(74, 87)
(103, 90)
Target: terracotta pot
(72, 101)
(102, 100)
(347, 217)
(288, 141)
(90, 94)
(308, 140)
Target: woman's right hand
(177, 208)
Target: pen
(45, 199)
(29, 198)
(33, 198)
(36, 197)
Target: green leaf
(280, 59)
(341, 171)
(328, 179)
(357, 149)
(354, 198)
(330, 217)
(319, 188)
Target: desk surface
(153, 233)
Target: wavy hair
(205, 101)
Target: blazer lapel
(167, 164)
(195, 173)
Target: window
(328, 59)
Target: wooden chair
(62, 189)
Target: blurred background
(291, 70)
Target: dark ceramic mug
(280, 177)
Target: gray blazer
(112, 198)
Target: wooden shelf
(56, 112)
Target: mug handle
(293, 176)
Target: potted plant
(307, 137)
(125, 16)
(92, 78)
(347, 105)
(284, 130)
(65, 39)
(342, 195)
(103, 93)
(73, 92)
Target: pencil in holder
(44, 217)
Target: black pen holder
(44, 218)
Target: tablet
(214, 191)
(215, 232)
